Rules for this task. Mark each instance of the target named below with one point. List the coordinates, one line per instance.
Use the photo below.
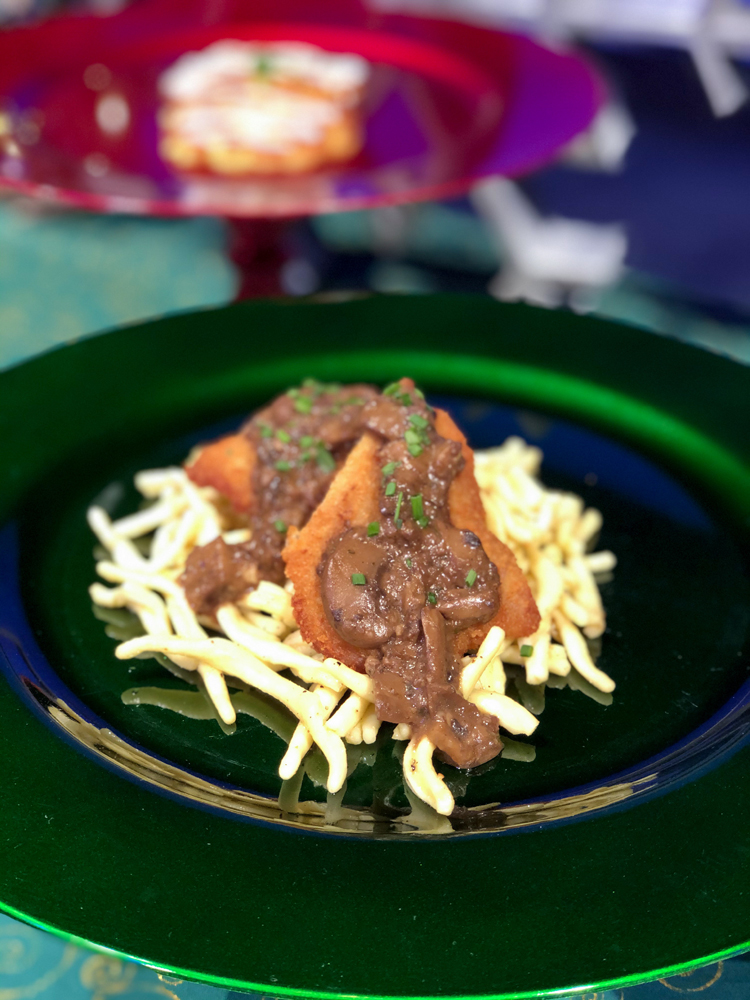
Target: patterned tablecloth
(37, 965)
(63, 275)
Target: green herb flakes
(325, 459)
(526, 650)
(432, 597)
(359, 579)
(471, 577)
(394, 390)
(390, 489)
(373, 528)
(280, 526)
(397, 512)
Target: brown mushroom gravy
(300, 439)
(402, 586)
(399, 588)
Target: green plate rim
(520, 354)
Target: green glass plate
(620, 853)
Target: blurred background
(643, 217)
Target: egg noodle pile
(260, 644)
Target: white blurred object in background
(604, 144)
(712, 31)
(548, 261)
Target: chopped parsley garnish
(283, 466)
(359, 579)
(432, 597)
(417, 510)
(390, 468)
(416, 436)
(265, 430)
(306, 441)
(397, 512)
(263, 65)
(526, 650)
(394, 390)
(408, 562)
(373, 528)
(390, 489)
(280, 526)
(325, 459)
(303, 405)
(471, 577)
(284, 436)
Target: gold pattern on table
(713, 972)
(34, 989)
(20, 948)
(107, 977)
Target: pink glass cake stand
(446, 105)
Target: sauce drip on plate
(402, 585)
(297, 442)
(391, 579)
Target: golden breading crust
(518, 613)
(227, 465)
(341, 140)
(352, 500)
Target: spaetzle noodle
(258, 640)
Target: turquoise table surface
(65, 275)
(34, 964)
